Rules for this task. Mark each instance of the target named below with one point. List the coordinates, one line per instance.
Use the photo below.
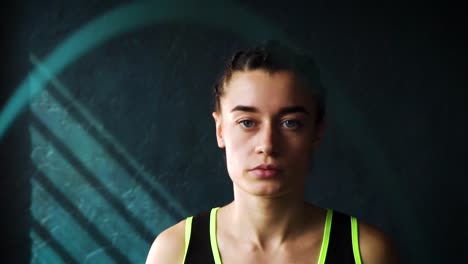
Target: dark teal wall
(120, 144)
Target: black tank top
(341, 240)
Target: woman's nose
(267, 141)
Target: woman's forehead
(261, 78)
(265, 91)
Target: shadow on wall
(87, 190)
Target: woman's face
(267, 119)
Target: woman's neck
(267, 222)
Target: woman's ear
(219, 130)
(318, 135)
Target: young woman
(269, 115)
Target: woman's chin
(272, 191)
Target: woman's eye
(247, 123)
(292, 124)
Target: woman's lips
(265, 173)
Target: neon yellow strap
(355, 240)
(213, 239)
(326, 237)
(188, 232)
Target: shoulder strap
(188, 233)
(213, 236)
(198, 248)
(326, 237)
(340, 248)
(355, 239)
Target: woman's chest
(303, 251)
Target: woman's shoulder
(169, 245)
(375, 245)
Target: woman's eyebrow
(283, 111)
